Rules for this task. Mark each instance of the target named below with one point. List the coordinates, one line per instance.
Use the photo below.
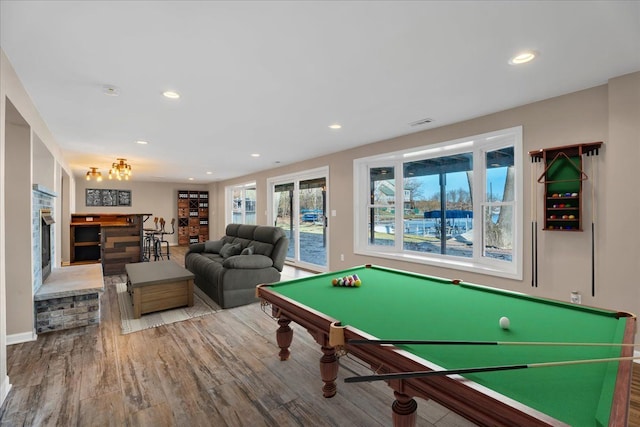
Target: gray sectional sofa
(229, 269)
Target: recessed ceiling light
(335, 126)
(190, 179)
(141, 142)
(523, 57)
(209, 173)
(255, 155)
(171, 94)
(110, 90)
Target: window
(241, 204)
(452, 204)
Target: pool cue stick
(593, 221)
(533, 227)
(462, 371)
(533, 275)
(535, 223)
(467, 342)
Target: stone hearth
(69, 298)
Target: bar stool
(149, 243)
(161, 253)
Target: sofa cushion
(230, 250)
(242, 242)
(232, 230)
(213, 246)
(245, 231)
(267, 234)
(248, 262)
(262, 248)
(247, 251)
(212, 257)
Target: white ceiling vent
(421, 122)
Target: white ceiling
(270, 77)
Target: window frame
(229, 190)
(479, 145)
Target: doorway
(299, 207)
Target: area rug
(202, 305)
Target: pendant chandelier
(94, 173)
(120, 170)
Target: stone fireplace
(63, 297)
(45, 242)
(43, 234)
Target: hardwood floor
(217, 370)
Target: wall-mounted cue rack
(563, 177)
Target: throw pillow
(213, 246)
(247, 251)
(230, 250)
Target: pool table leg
(329, 371)
(404, 410)
(284, 336)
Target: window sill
(453, 264)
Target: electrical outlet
(341, 257)
(576, 298)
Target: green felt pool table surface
(392, 304)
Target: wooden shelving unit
(562, 178)
(85, 243)
(193, 216)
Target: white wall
(5, 385)
(14, 232)
(17, 216)
(43, 164)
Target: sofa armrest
(196, 248)
(248, 262)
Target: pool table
(397, 305)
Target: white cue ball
(504, 322)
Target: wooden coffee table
(159, 285)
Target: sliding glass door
(299, 206)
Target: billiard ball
(357, 283)
(552, 217)
(572, 217)
(334, 282)
(555, 195)
(574, 194)
(504, 322)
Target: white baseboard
(22, 337)
(5, 386)
(636, 354)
